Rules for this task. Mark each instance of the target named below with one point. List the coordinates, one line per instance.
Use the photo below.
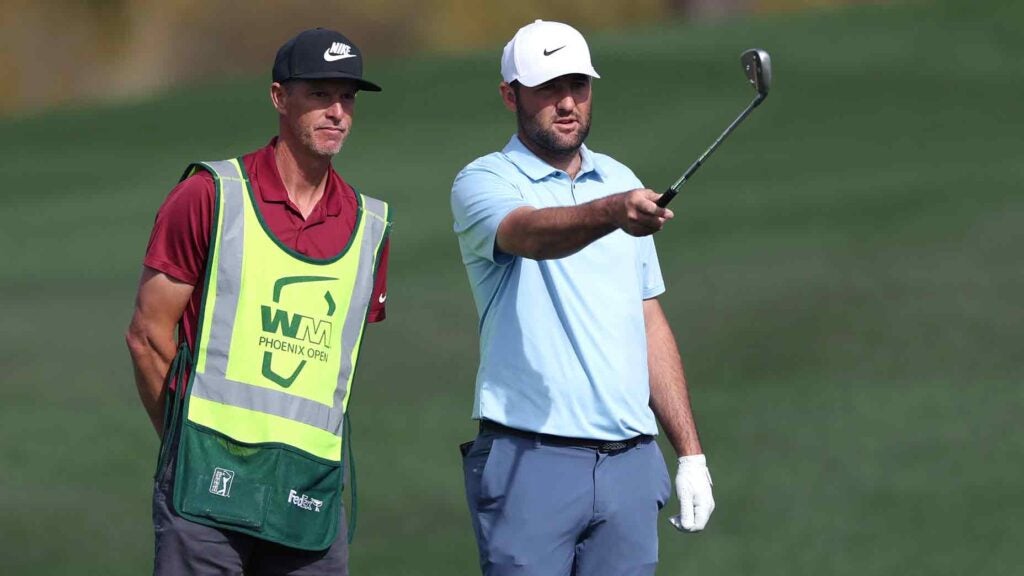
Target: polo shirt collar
(537, 169)
(271, 187)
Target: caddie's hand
(638, 214)
(693, 485)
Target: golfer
(269, 266)
(577, 360)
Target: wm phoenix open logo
(295, 335)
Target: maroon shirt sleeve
(180, 239)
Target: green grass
(844, 278)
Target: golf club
(758, 68)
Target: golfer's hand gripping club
(637, 213)
(693, 486)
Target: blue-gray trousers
(545, 509)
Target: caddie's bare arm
(547, 233)
(670, 398)
(151, 338)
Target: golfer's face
(556, 112)
(320, 113)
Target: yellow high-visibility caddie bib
(260, 444)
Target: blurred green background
(845, 280)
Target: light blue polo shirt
(563, 348)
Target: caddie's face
(555, 115)
(317, 113)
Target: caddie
(260, 276)
(577, 359)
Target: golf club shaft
(674, 189)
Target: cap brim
(363, 84)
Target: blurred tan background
(70, 51)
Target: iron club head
(758, 67)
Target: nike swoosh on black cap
(318, 54)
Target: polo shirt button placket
(300, 237)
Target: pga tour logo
(221, 484)
(304, 502)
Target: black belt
(603, 446)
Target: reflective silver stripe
(231, 241)
(265, 400)
(375, 225)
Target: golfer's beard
(547, 139)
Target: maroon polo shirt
(180, 239)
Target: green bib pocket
(268, 491)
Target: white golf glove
(693, 485)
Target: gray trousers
(540, 509)
(185, 548)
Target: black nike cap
(318, 54)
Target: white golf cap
(545, 50)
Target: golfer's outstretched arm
(151, 338)
(670, 399)
(546, 233)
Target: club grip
(666, 198)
